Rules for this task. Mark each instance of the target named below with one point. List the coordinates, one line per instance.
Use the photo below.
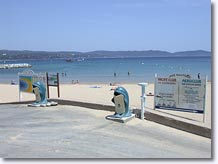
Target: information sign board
(180, 93)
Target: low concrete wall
(171, 122)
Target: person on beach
(199, 76)
(13, 82)
(115, 74)
(128, 73)
(76, 82)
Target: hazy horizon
(98, 50)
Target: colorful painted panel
(25, 84)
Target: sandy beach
(102, 94)
(92, 93)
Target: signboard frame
(53, 81)
(26, 79)
(184, 94)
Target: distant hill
(193, 53)
(15, 54)
(149, 53)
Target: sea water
(103, 70)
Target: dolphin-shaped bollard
(40, 92)
(117, 93)
(122, 110)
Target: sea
(113, 70)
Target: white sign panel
(166, 92)
(180, 93)
(192, 94)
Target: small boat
(80, 59)
(69, 60)
(75, 60)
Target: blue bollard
(121, 110)
(40, 92)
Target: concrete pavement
(75, 132)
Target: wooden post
(47, 84)
(58, 85)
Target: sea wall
(19, 65)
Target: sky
(89, 25)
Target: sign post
(53, 80)
(205, 97)
(143, 99)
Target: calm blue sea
(102, 70)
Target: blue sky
(87, 25)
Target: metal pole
(155, 85)
(205, 97)
(19, 87)
(143, 99)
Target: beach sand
(102, 94)
(97, 93)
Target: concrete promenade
(75, 132)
